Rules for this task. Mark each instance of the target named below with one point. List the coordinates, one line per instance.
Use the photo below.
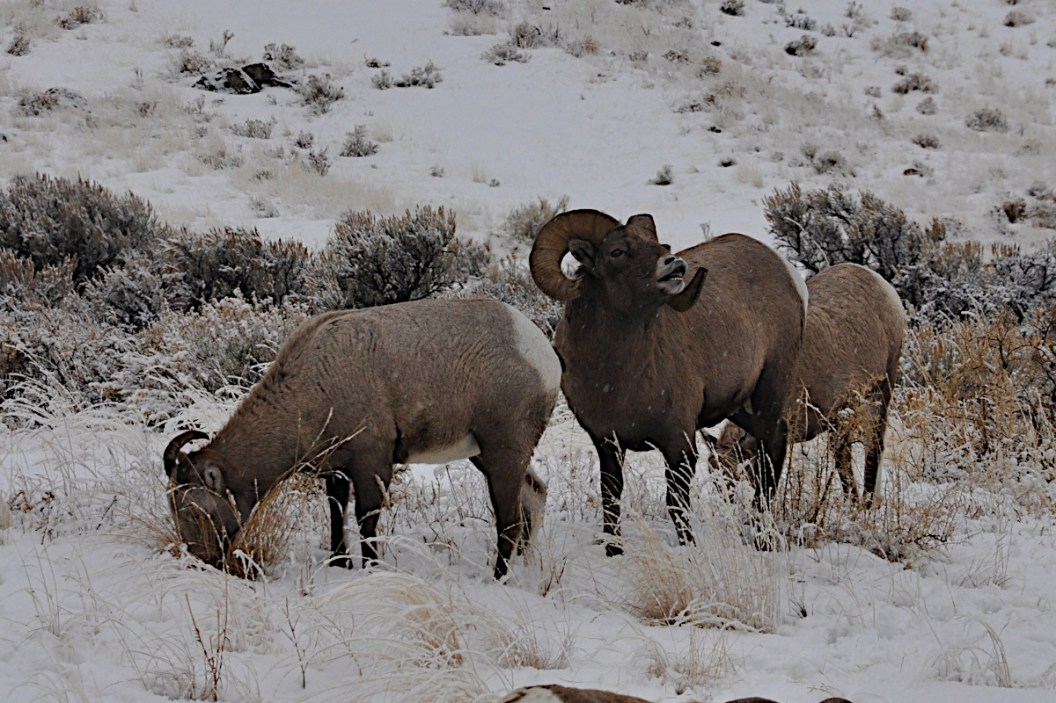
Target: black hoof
(342, 560)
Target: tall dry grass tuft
(717, 582)
(294, 506)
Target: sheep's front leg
(611, 456)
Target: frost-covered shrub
(19, 45)
(253, 129)
(426, 76)
(317, 162)
(22, 282)
(504, 53)
(202, 268)
(988, 119)
(927, 141)
(477, 7)
(380, 260)
(222, 344)
(192, 62)
(51, 220)
(63, 346)
(939, 280)
(802, 21)
(927, 106)
(1015, 18)
(511, 282)
(382, 80)
(132, 295)
(36, 104)
(901, 44)
(283, 55)
(522, 223)
(319, 93)
(358, 144)
(78, 15)
(914, 82)
(664, 177)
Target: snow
(92, 606)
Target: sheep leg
(337, 492)
(681, 464)
(840, 444)
(370, 487)
(767, 466)
(875, 442)
(504, 472)
(610, 456)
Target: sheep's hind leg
(337, 492)
(504, 471)
(681, 461)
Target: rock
(247, 80)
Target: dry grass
(296, 506)
(718, 582)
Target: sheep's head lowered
(624, 264)
(207, 515)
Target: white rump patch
(535, 348)
(531, 695)
(801, 284)
(462, 449)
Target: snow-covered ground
(91, 607)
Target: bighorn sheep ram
(354, 391)
(849, 361)
(649, 358)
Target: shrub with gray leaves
(53, 220)
(380, 260)
(939, 280)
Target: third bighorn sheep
(649, 358)
(354, 391)
(849, 361)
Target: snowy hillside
(692, 110)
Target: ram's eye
(616, 253)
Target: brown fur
(641, 375)
(353, 392)
(572, 695)
(850, 358)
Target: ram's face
(634, 269)
(206, 513)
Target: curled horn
(643, 222)
(551, 245)
(172, 452)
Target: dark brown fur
(641, 375)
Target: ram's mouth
(677, 272)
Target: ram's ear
(684, 301)
(584, 253)
(213, 478)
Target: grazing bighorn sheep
(354, 391)
(849, 361)
(649, 358)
